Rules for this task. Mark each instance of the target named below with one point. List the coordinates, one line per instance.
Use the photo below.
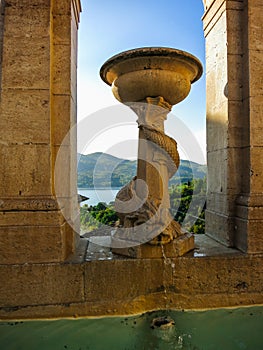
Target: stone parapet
(212, 276)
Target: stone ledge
(151, 302)
(209, 277)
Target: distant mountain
(104, 170)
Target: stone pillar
(249, 221)
(234, 140)
(38, 107)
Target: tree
(181, 197)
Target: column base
(34, 230)
(178, 247)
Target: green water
(224, 329)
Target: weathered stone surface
(74, 41)
(28, 242)
(169, 74)
(73, 77)
(30, 218)
(249, 235)
(35, 22)
(61, 81)
(24, 170)
(235, 82)
(216, 130)
(178, 247)
(235, 24)
(28, 203)
(256, 170)
(62, 29)
(70, 238)
(238, 135)
(255, 73)
(61, 165)
(255, 17)
(256, 124)
(137, 277)
(61, 121)
(255, 239)
(202, 280)
(26, 63)
(220, 227)
(213, 14)
(217, 180)
(208, 3)
(220, 202)
(41, 284)
(62, 7)
(233, 113)
(33, 68)
(25, 116)
(217, 277)
(20, 244)
(73, 116)
(28, 3)
(253, 213)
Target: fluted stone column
(38, 108)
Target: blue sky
(110, 27)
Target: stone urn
(150, 81)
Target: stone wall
(213, 277)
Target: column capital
(152, 112)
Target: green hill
(104, 170)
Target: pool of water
(222, 329)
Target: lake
(98, 195)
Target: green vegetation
(187, 206)
(102, 170)
(93, 217)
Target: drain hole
(162, 322)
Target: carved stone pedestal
(150, 81)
